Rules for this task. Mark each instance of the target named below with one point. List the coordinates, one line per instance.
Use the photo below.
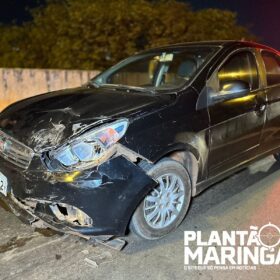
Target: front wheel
(165, 207)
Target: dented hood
(47, 120)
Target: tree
(86, 34)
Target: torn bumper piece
(95, 202)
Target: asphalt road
(251, 197)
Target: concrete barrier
(17, 84)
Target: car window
(140, 73)
(163, 70)
(159, 70)
(272, 66)
(241, 66)
(155, 71)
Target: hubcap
(163, 205)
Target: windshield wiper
(93, 84)
(128, 88)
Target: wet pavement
(250, 197)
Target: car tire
(167, 203)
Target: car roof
(221, 44)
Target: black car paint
(221, 138)
(92, 192)
(68, 113)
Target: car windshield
(159, 70)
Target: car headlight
(90, 148)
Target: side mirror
(230, 90)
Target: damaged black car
(131, 148)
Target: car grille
(14, 151)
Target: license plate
(3, 184)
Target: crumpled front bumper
(108, 194)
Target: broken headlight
(91, 148)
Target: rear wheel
(165, 207)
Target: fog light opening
(71, 214)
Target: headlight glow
(90, 148)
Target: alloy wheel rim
(164, 204)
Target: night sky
(262, 16)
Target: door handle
(260, 108)
(260, 105)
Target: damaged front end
(89, 186)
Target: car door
(271, 135)
(235, 122)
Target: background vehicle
(141, 139)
